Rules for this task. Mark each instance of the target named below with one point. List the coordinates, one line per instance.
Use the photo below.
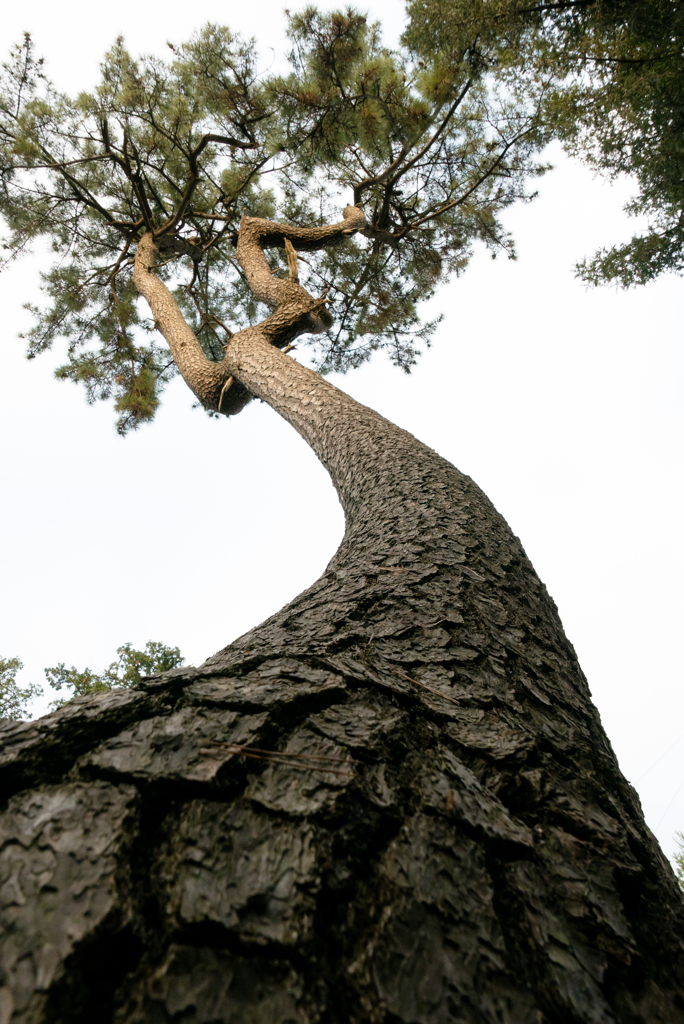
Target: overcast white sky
(566, 406)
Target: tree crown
(130, 667)
(183, 148)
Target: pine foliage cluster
(612, 74)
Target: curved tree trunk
(393, 801)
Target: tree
(679, 858)
(613, 71)
(129, 669)
(13, 698)
(393, 800)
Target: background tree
(679, 859)
(14, 699)
(614, 74)
(130, 668)
(393, 800)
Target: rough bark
(391, 802)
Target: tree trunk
(391, 802)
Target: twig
(223, 391)
(430, 688)
(291, 260)
(279, 757)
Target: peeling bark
(391, 802)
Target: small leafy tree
(14, 698)
(130, 668)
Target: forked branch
(295, 311)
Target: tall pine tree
(393, 800)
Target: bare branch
(58, 165)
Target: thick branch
(295, 311)
(203, 377)
(257, 234)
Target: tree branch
(461, 199)
(193, 180)
(567, 5)
(295, 311)
(58, 165)
(257, 234)
(388, 173)
(203, 377)
(378, 179)
(450, 113)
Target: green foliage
(613, 78)
(433, 152)
(432, 157)
(679, 858)
(14, 698)
(129, 669)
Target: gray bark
(391, 802)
